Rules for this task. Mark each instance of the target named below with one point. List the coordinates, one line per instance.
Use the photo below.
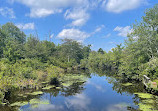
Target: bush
(150, 69)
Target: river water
(94, 94)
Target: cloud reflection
(78, 102)
(98, 87)
(49, 107)
(118, 107)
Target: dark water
(96, 94)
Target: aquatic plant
(21, 103)
(127, 84)
(35, 93)
(48, 87)
(145, 107)
(144, 95)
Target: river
(94, 94)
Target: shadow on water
(86, 92)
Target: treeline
(14, 46)
(25, 61)
(139, 54)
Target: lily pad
(127, 84)
(58, 87)
(38, 101)
(19, 103)
(144, 95)
(67, 84)
(35, 93)
(22, 95)
(148, 101)
(49, 87)
(145, 107)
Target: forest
(25, 60)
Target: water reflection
(118, 107)
(98, 93)
(98, 87)
(78, 102)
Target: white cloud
(79, 16)
(7, 12)
(99, 28)
(42, 12)
(42, 8)
(118, 6)
(123, 31)
(74, 34)
(108, 35)
(27, 26)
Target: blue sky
(102, 23)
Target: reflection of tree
(101, 72)
(118, 86)
(74, 89)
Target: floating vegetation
(38, 101)
(19, 103)
(58, 87)
(127, 84)
(48, 87)
(70, 79)
(67, 84)
(44, 82)
(145, 107)
(22, 95)
(35, 93)
(148, 101)
(144, 95)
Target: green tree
(100, 51)
(72, 50)
(12, 41)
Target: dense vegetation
(27, 61)
(139, 54)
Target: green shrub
(150, 69)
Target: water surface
(95, 94)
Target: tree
(72, 50)
(12, 41)
(13, 33)
(32, 47)
(86, 50)
(101, 51)
(117, 55)
(141, 45)
(2, 43)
